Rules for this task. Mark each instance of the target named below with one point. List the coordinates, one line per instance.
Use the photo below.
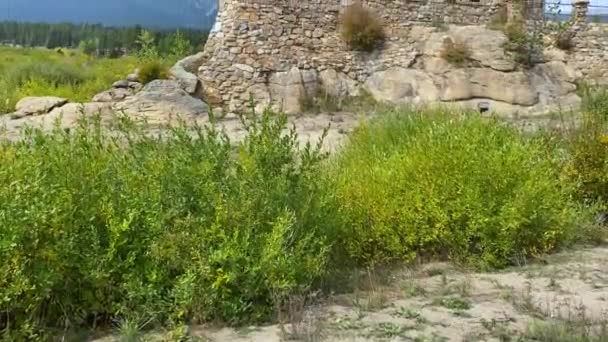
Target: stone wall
(280, 51)
(257, 44)
(590, 54)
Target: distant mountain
(150, 13)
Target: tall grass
(69, 74)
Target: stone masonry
(257, 44)
(279, 51)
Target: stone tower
(278, 51)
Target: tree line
(94, 38)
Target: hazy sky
(567, 6)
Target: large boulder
(261, 97)
(37, 105)
(554, 82)
(160, 101)
(65, 117)
(192, 63)
(120, 84)
(337, 84)
(113, 95)
(399, 85)
(510, 87)
(288, 88)
(184, 72)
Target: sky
(191, 13)
(595, 6)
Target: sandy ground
(438, 302)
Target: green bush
(152, 70)
(96, 227)
(438, 184)
(361, 29)
(587, 147)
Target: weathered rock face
(37, 105)
(287, 89)
(338, 84)
(161, 101)
(113, 95)
(485, 46)
(184, 73)
(399, 85)
(513, 87)
(66, 116)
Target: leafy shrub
(96, 227)
(152, 70)
(448, 185)
(587, 147)
(455, 53)
(361, 29)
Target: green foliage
(434, 183)
(147, 47)
(98, 226)
(108, 40)
(152, 70)
(587, 147)
(456, 53)
(41, 72)
(180, 45)
(361, 29)
(521, 43)
(88, 46)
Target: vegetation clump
(520, 42)
(69, 74)
(587, 147)
(174, 228)
(361, 28)
(103, 226)
(455, 53)
(152, 70)
(420, 183)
